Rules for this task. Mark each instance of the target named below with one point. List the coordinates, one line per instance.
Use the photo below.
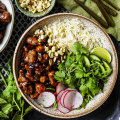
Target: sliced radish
(60, 94)
(62, 98)
(62, 109)
(78, 100)
(59, 88)
(70, 89)
(68, 99)
(46, 98)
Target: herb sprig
(12, 106)
(81, 72)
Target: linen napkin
(75, 8)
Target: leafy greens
(11, 103)
(88, 76)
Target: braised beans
(35, 73)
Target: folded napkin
(75, 8)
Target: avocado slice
(102, 68)
(94, 57)
(86, 61)
(107, 67)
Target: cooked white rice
(65, 33)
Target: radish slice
(62, 109)
(69, 96)
(60, 94)
(46, 98)
(62, 98)
(70, 89)
(78, 100)
(59, 88)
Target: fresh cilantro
(74, 73)
(12, 106)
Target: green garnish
(83, 73)
(12, 106)
(41, 105)
(50, 89)
(55, 105)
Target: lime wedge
(102, 53)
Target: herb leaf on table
(12, 105)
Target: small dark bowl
(40, 14)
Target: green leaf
(68, 81)
(3, 115)
(10, 63)
(9, 89)
(78, 48)
(83, 89)
(69, 60)
(7, 108)
(58, 78)
(2, 101)
(10, 77)
(95, 91)
(22, 103)
(61, 66)
(5, 68)
(18, 95)
(60, 74)
(16, 116)
(91, 84)
(79, 74)
(3, 79)
(28, 110)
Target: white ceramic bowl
(9, 27)
(99, 99)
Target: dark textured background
(110, 110)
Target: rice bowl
(105, 42)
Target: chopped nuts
(50, 61)
(55, 53)
(42, 36)
(35, 5)
(54, 59)
(46, 49)
(53, 49)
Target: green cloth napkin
(75, 8)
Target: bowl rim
(30, 14)
(100, 102)
(11, 28)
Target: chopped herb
(55, 105)
(41, 105)
(11, 103)
(50, 89)
(83, 73)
